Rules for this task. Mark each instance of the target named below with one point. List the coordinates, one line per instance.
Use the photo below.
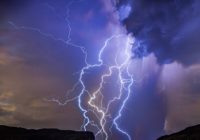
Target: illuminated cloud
(36, 64)
(182, 94)
(124, 11)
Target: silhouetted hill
(14, 133)
(190, 133)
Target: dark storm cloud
(12, 3)
(169, 29)
(9, 6)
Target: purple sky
(36, 64)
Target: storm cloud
(168, 29)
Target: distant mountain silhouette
(190, 133)
(14, 133)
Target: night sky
(45, 44)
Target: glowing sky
(37, 65)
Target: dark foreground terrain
(190, 133)
(13, 133)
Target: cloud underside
(169, 29)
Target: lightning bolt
(122, 65)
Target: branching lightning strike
(102, 112)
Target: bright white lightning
(122, 65)
(125, 85)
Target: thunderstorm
(121, 45)
(102, 69)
